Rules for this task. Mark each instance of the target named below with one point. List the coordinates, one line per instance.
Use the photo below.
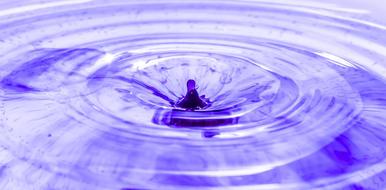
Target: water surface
(90, 92)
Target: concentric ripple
(88, 94)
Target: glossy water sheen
(89, 94)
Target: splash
(187, 95)
(192, 101)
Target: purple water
(293, 96)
